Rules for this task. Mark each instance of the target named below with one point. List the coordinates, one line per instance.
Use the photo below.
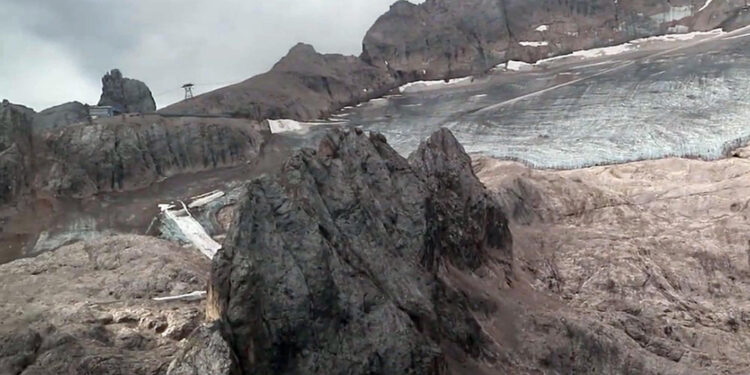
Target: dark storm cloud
(52, 51)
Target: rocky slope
(88, 309)
(353, 259)
(657, 250)
(126, 94)
(304, 85)
(128, 153)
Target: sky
(56, 51)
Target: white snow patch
(534, 44)
(518, 66)
(544, 28)
(194, 296)
(708, 2)
(632, 45)
(204, 199)
(283, 125)
(421, 85)
(191, 229)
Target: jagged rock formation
(88, 309)
(438, 39)
(125, 94)
(304, 85)
(120, 154)
(15, 148)
(60, 116)
(339, 262)
(450, 38)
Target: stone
(127, 153)
(343, 250)
(126, 95)
(87, 308)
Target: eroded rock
(337, 263)
(125, 94)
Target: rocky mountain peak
(126, 94)
(341, 250)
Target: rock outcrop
(450, 38)
(338, 263)
(304, 85)
(125, 94)
(60, 116)
(128, 153)
(15, 149)
(655, 251)
(88, 309)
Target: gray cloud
(53, 51)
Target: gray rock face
(88, 309)
(337, 264)
(126, 94)
(60, 116)
(127, 153)
(15, 148)
(438, 39)
(206, 351)
(448, 38)
(304, 85)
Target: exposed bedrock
(127, 153)
(15, 150)
(450, 38)
(338, 263)
(304, 85)
(125, 94)
(88, 309)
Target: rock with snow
(126, 95)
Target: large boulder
(125, 94)
(338, 263)
(87, 308)
(304, 85)
(120, 154)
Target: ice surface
(643, 103)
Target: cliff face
(15, 149)
(128, 153)
(125, 94)
(338, 262)
(304, 85)
(448, 38)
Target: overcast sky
(55, 51)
